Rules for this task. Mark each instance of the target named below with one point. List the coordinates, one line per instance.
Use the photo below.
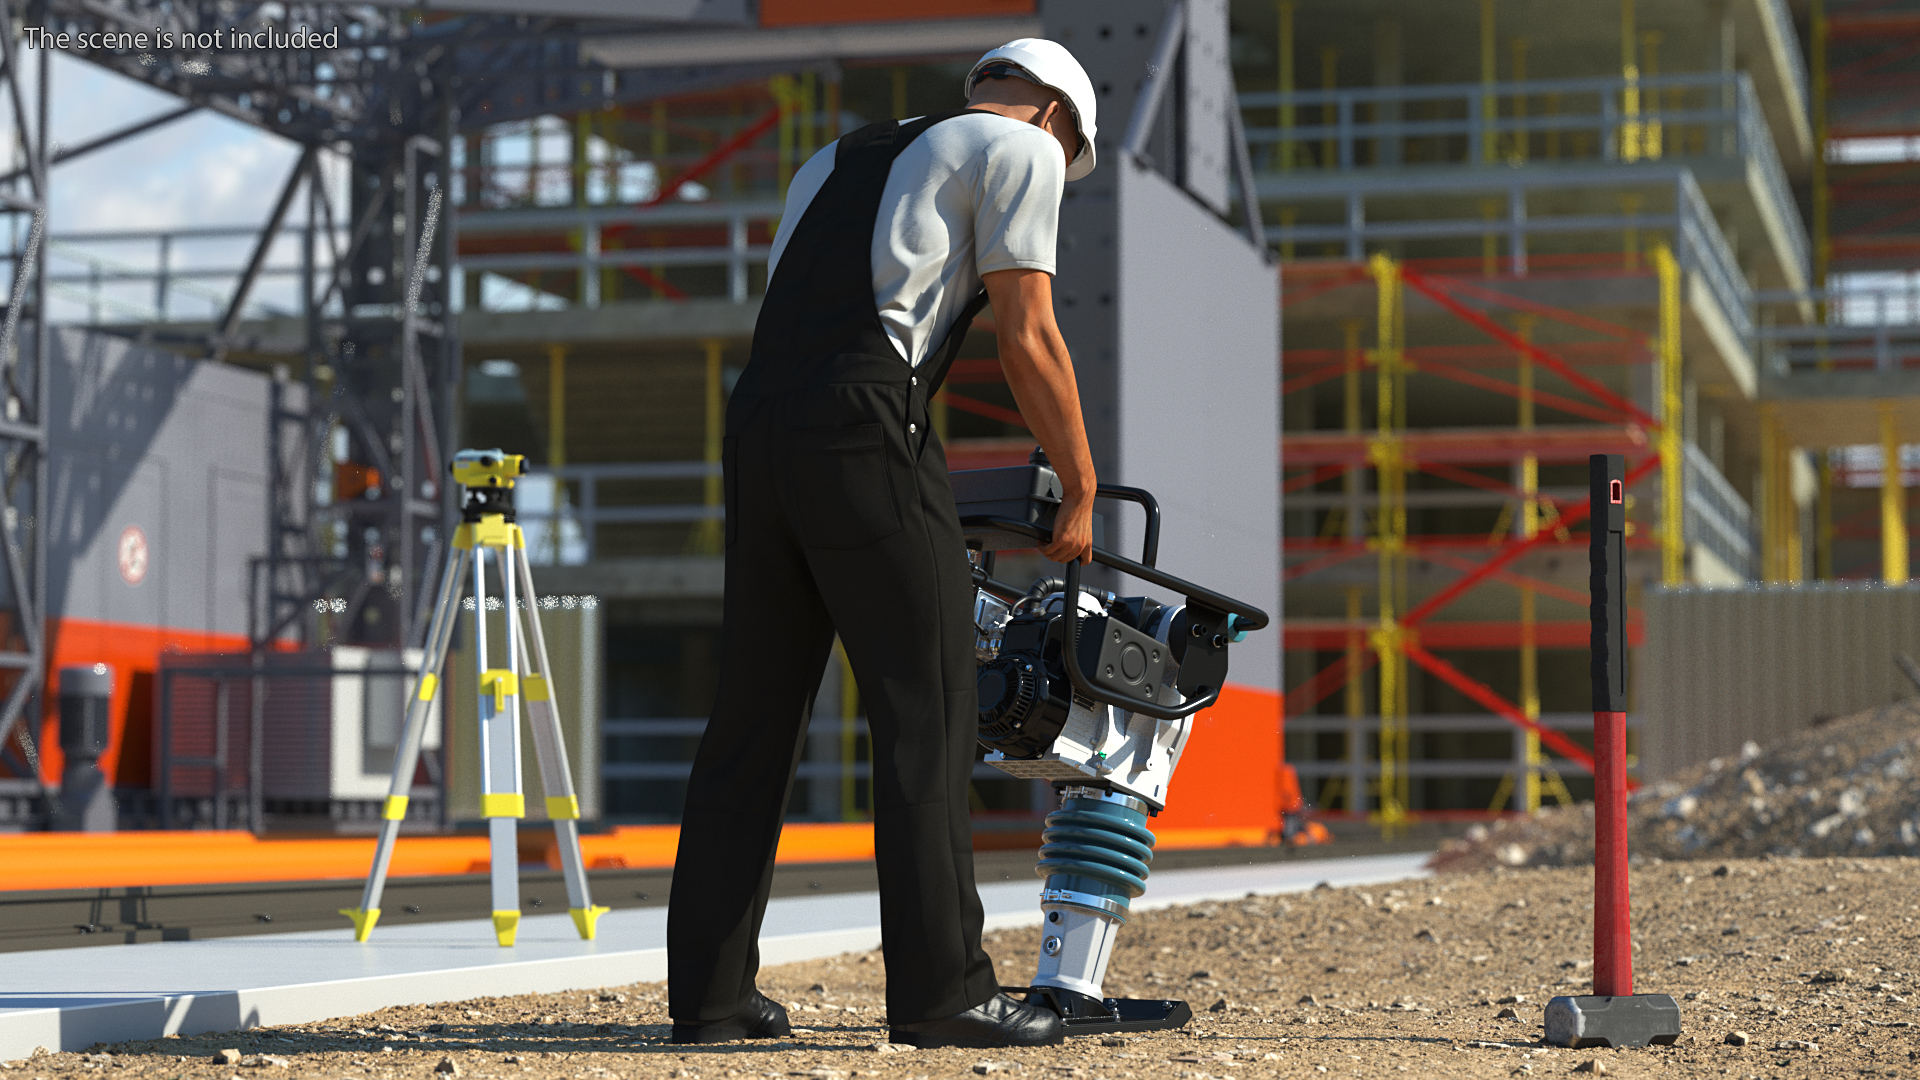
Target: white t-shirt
(973, 194)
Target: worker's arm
(1040, 371)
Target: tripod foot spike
(586, 918)
(363, 921)
(506, 924)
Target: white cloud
(204, 170)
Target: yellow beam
(1780, 551)
(1630, 138)
(1529, 528)
(781, 87)
(1356, 700)
(1489, 240)
(1286, 87)
(1329, 81)
(1817, 89)
(1390, 540)
(1489, 75)
(808, 112)
(1520, 149)
(1893, 501)
(556, 409)
(1823, 522)
(1627, 36)
(713, 530)
(1673, 542)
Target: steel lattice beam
(23, 436)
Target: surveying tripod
(487, 525)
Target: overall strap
(934, 368)
(820, 301)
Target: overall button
(913, 429)
(913, 380)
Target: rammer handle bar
(1150, 548)
(1248, 617)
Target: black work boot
(1002, 1021)
(763, 1018)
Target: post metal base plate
(1084, 1016)
(1628, 1020)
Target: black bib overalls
(840, 518)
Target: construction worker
(840, 519)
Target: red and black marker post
(1613, 1015)
(1607, 550)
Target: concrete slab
(70, 999)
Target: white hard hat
(1049, 64)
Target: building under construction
(1665, 231)
(1495, 236)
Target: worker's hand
(1072, 532)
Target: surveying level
(487, 525)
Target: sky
(204, 170)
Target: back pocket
(840, 487)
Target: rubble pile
(1850, 787)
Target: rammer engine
(1098, 698)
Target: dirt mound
(1850, 787)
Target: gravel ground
(1813, 959)
(1847, 788)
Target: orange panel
(1178, 839)
(133, 652)
(1227, 788)
(653, 846)
(115, 860)
(818, 12)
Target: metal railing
(1361, 773)
(679, 767)
(1865, 330)
(1480, 124)
(563, 520)
(149, 275)
(1757, 148)
(591, 226)
(1468, 129)
(163, 264)
(1703, 250)
(1699, 245)
(1717, 518)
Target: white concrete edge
(78, 1027)
(1713, 322)
(1773, 219)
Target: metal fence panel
(1722, 667)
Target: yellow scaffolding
(1673, 540)
(1387, 452)
(1893, 500)
(709, 538)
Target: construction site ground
(1811, 960)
